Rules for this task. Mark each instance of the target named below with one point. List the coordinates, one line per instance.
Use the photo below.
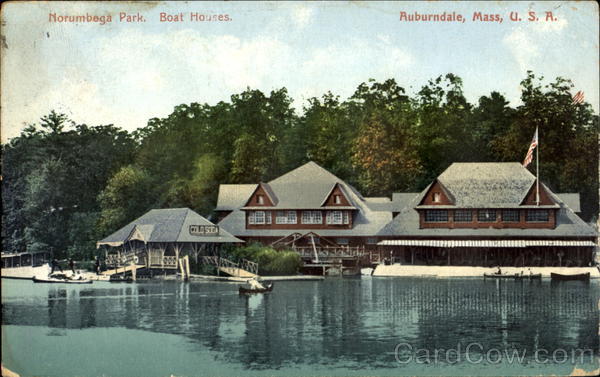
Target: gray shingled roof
(406, 224)
(234, 196)
(379, 204)
(487, 184)
(571, 200)
(401, 200)
(304, 188)
(168, 225)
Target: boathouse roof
(168, 225)
(489, 185)
(486, 184)
(306, 187)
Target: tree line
(66, 185)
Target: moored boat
(25, 265)
(504, 276)
(555, 276)
(243, 290)
(63, 280)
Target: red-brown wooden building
(304, 205)
(488, 214)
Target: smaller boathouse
(159, 238)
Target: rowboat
(555, 276)
(503, 276)
(61, 280)
(120, 279)
(243, 290)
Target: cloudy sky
(126, 73)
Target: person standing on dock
(72, 265)
(97, 266)
(54, 264)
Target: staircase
(244, 269)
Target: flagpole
(537, 167)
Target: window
(257, 217)
(346, 217)
(437, 197)
(337, 199)
(436, 216)
(342, 241)
(285, 217)
(312, 217)
(260, 199)
(371, 241)
(463, 216)
(486, 215)
(334, 217)
(510, 215)
(537, 216)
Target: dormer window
(260, 199)
(337, 199)
(437, 197)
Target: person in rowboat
(255, 284)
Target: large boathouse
(489, 214)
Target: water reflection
(351, 321)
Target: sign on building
(204, 230)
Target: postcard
(302, 188)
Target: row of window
(308, 217)
(487, 215)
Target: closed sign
(204, 230)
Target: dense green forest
(66, 185)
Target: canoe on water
(504, 276)
(243, 290)
(556, 276)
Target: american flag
(578, 97)
(534, 143)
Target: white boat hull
(25, 272)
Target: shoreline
(397, 270)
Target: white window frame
(281, 217)
(337, 199)
(256, 218)
(260, 199)
(436, 216)
(291, 217)
(335, 217)
(286, 217)
(533, 216)
(312, 217)
(437, 197)
(346, 216)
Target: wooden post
(133, 270)
(187, 266)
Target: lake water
(339, 326)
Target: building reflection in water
(356, 321)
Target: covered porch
(489, 253)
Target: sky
(127, 73)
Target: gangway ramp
(120, 270)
